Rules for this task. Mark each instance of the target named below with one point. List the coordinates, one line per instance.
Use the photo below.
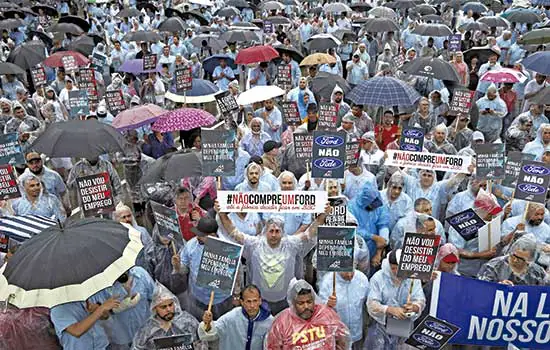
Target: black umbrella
(28, 54)
(48, 10)
(66, 28)
(128, 12)
(475, 26)
(294, 53)
(542, 98)
(322, 42)
(196, 15)
(10, 68)
(11, 23)
(171, 12)
(482, 53)
(425, 9)
(243, 26)
(238, 3)
(233, 36)
(173, 167)
(97, 39)
(323, 84)
(8, 5)
(45, 38)
(83, 44)
(431, 18)
(87, 256)
(377, 25)
(432, 68)
(143, 36)
(210, 63)
(276, 20)
(147, 5)
(360, 7)
(341, 33)
(227, 11)
(435, 29)
(82, 139)
(522, 16)
(15, 13)
(79, 21)
(400, 4)
(494, 21)
(172, 25)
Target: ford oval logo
(535, 170)
(328, 163)
(412, 148)
(439, 327)
(531, 188)
(413, 133)
(461, 218)
(329, 141)
(424, 339)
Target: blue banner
(493, 314)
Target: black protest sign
(268, 27)
(226, 102)
(328, 155)
(218, 152)
(489, 161)
(87, 82)
(167, 222)
(69, 63)
(38, 75)
(303, 145)
(115, 101)
(284, 76)
(412, 139)
(352, 153)
(96, 194)
(432, 334)
(174, 342)
(10, 149)
(184, 79)
(338, 211)
(461, 102)
(291, 115)
(455, 42)
(4, 243)
(78, 103)
(533, 181)
(335, 247)
(513, 165)
(99, 61)
(219, 263)
(328, 116)
(8, 183)
(418, 256)
(149, 62)
(466, 223)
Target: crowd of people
(280, 300)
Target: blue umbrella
(210, 63)
(384, 91)
(135, 66)
(199, 87)
(540, 2)
(538, 62)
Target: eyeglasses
(523, 260)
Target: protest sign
(467, 223)
(303, 146)
(338, 211)
(219, 263)
(418, 256)
(218, 151)
(352, 153)
(99, 61)
(272, 202)
(96, 194)
(489, 235)
(532, 183)
(284, 76)
(513, 165)
(335, 247)
(454, 42)
(78, 103)
(4, 243)
(489, 161)
(461, 102)
(269, 28)
(115, 101)
(226, 102)
(425, 160)
(492, 314)
(8, 183)
(174, 342)
(149, 62)
(432, 334)
(87, 82)
(412, 139)
(38, 75)
(327, 116)
(184, 79)
(291, 115)
(329, 155)
(10, 149)
(69, 63)
(167, 222)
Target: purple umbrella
(135, 66)
(183, 119)
(136, 117)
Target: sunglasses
(519, 258)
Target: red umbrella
(136, 117)
(255, 54)
(183, 119)
(55, 60)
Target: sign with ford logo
(412, 139)
(513, 166)
(432, 334)
(532, 183)
(329, 155)
(466, 223)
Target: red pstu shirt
(186, 224)
(388, 136)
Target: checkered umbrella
(383, 91)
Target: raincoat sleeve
(383, 222)
(374, 302)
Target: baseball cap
(32, 156)
(270, 145)
(206, 226)
(450, 259)
(477, 135)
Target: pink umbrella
(504, 75)
(183, 119)
(136, 117)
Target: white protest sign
(431, 161)
(273, 202)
